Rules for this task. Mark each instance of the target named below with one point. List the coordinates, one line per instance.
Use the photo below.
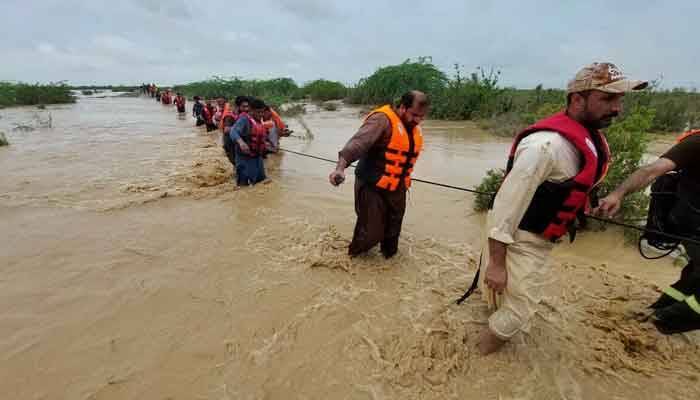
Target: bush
(490, 184)
(323, 90)
(329, 106)
(469, 98)
(3, 140)
(387, 84)
(273, 91)
(22, 94)
(628, 139)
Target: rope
(603, 220)
(412, 179)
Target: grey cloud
(308, 10)
(170, 41)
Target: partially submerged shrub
(3, 140)
(330, 106)
(489, 186)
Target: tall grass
(20, 94)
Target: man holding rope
(387, 144)
(678, 308)
(552, 167)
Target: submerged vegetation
(3, 139)
(23, 94)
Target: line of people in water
(250, 129)
(553, 169)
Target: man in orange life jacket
(678, 308)
(387, 146)
(552, 167)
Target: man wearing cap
(678, 308)
(553, 166)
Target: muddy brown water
(131, 268)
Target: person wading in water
(387, 146)
(553, 166)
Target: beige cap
(605, 77)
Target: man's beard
(598, 123)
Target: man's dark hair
(241, 99)
(196, 98)
(257, 104)
(409, 98)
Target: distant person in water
(209, 110)
(275, 128)
(158, 95)
(180, 103)
(229, 146)
(198, 111)
(221, 107)
(241, 106)
(249, 136)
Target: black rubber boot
(663, 301)
(677, 318)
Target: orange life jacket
(687, 134)
(397, 160)
(226, 112)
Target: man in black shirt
(678, 308)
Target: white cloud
(303, 49)
(113, 43)
(46, 48)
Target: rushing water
(130, 267)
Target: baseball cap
(605, 77)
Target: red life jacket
(180, 101)
(208, 112)
(687, 134)
(554, 207)
(256, 141)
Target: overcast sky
(176, 41)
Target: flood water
(130, 267)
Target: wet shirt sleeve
(239, 129)
(685, 154)
(534, 162)
(369, 133)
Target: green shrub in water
(23, 94)
(324, 90)
(3, 140)
(388, 83)
(490, 184)
(273, 91)
(329, 106)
